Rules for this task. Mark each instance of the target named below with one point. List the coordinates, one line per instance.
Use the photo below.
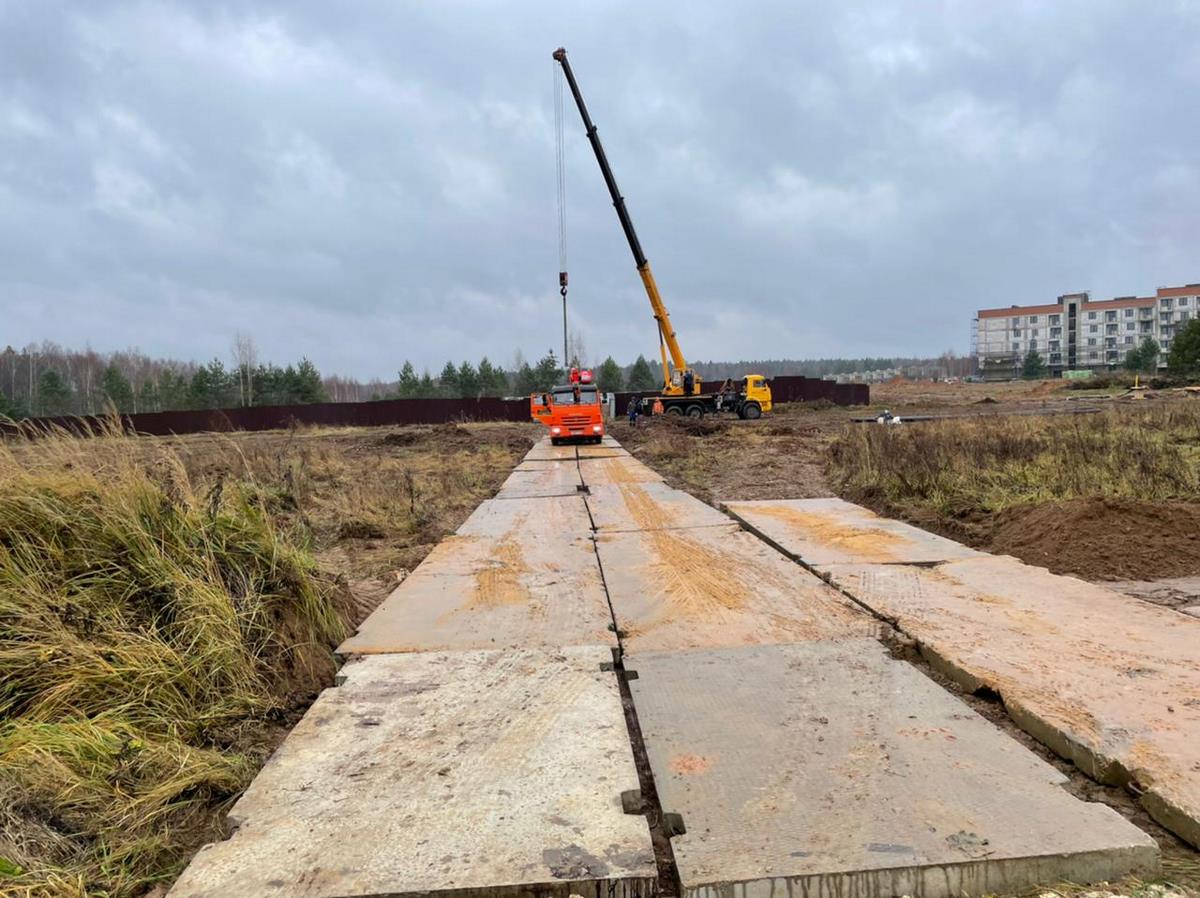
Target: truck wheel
(695, 411)
(674, 410)
(752, 411)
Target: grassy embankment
(991, 463)
(168, 608)
(1095, 495)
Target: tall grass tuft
(149, 637)
(1144, 452)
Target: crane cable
(560, 163)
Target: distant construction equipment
(749, 396)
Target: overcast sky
(364, 182)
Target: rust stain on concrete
(699, 581)
(499, 581)
(687, 765)
(876, 545)
(646, 513)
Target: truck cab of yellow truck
(755, 393)
(571, 412)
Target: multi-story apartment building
(1079, 332)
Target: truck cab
(756, 389)
(571, 412)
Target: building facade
(1078, 332)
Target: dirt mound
(401, 438)
(986, 400)
(1102, 539)
(695, 427)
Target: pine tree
(492, 381)
(448, 381)
(1184, 354)
(641, 376)
(428, 389)
(468, 381)
(409, 386)
(546, 372)
(1149, 352)
(11, 410)
(173, 390)
(117, 389)
(525, 380)
(211, 387)
(307, 386)
(54, 395)
(609, 378)
(148, 397)
(1034, 367)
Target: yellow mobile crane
(681, 390)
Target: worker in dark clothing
(634, 408)
(689, 383)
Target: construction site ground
(787, 456)
(784, 732)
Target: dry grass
(1145, 452)
(716, 459)
(373, 501)
(168, 607)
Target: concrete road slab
(626, 469)
(572, 453)
(1108, 681)
(451, 775)
(546, 452)
(829, 769)
(832, 531)
(717, 586)
(649, 506)
(605, 450)
(531, 481)
(519, 573)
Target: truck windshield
(587, 396)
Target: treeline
(49, 380)
(467, 381)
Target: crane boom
(669, 342)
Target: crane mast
(668, 342)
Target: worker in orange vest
(657, 408)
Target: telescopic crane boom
(668, 342)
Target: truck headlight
(556, 430)
(596, 428)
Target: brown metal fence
(329, 414)
(396, 411)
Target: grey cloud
(367, 182)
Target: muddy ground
(786, 456)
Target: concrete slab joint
(828, 768)
(600, 686)
(444, 774)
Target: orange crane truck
(748, 396)
(571, 412)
